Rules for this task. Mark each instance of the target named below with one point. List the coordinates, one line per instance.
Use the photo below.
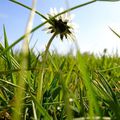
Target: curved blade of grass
(70, 9)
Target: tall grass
(52, 86)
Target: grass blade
(90, 92)
(115, 32)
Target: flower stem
(40, 81)
(48, 45)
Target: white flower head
(61, 25)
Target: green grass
(49, 86)
(94, 91)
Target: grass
(64, 79)
(49, 86)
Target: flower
(62, 25)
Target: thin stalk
(40, 81)
(48, 45)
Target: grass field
(50, 86)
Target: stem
(43, 68)
(40, 81)
(48, 45)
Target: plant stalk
(40, 81)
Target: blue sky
(93, 20)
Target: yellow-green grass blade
(93, 105)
